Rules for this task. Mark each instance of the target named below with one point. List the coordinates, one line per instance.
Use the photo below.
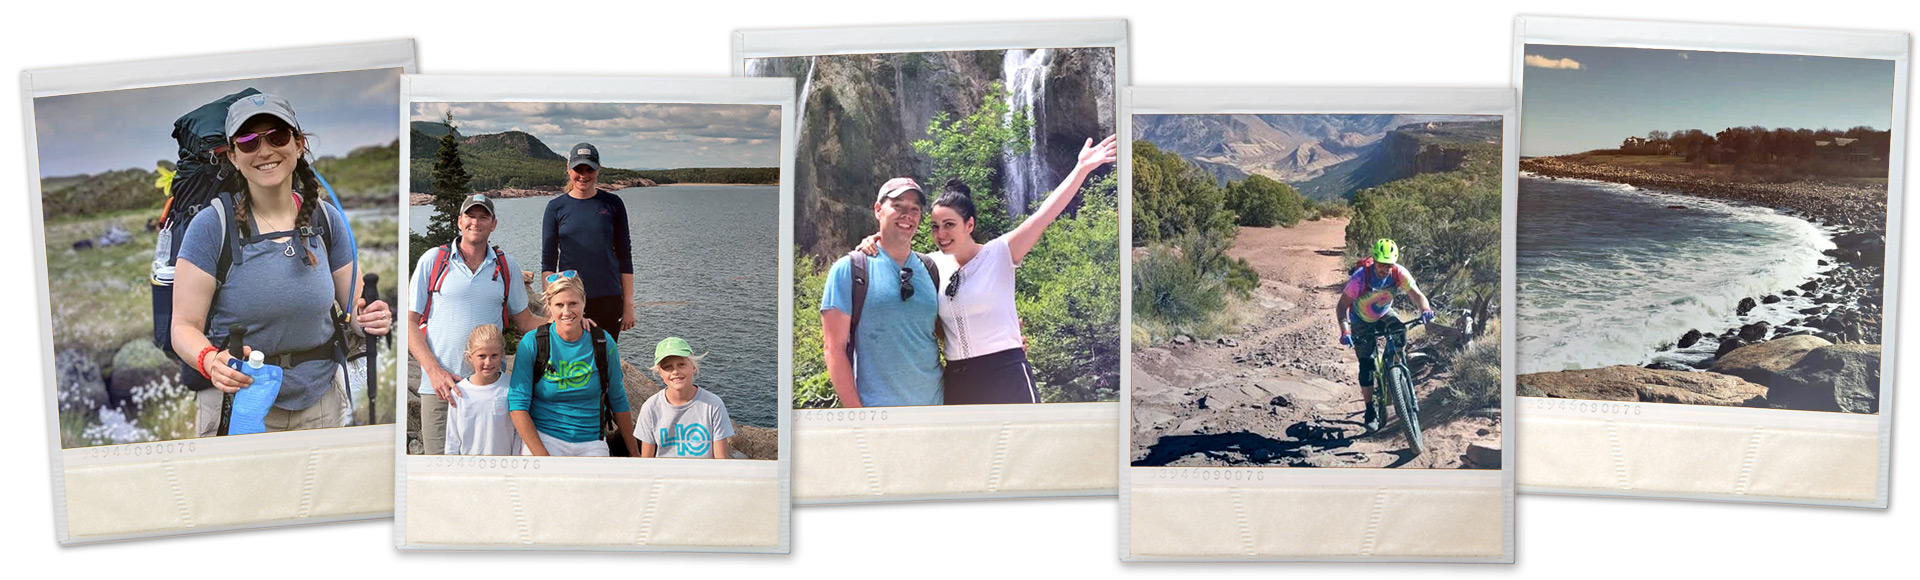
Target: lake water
(1609, 273)
(706, 268)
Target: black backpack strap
(229, 242)
(933, 270)
(541, 350)
(600, 369)
(859, 263)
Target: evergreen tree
(450, 179)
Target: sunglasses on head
(250, 142)
(556, 276)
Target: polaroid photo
(956, 274)
(595, 314)
(212, 235)
(1319, 368)
(1708, 267)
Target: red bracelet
(201, 360)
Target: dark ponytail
(957, 196)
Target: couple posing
(881, 329)
(567, 383)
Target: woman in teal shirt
(559, 413)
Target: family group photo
(221, 256)
(593, 280)
(1721, 242)
(1316, 290)
(956, 227)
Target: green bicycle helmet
(1386, 252)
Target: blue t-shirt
(285, 305)
(589, 236)
(565, 403)
(896, 361)
(467, 299)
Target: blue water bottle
(251, 404)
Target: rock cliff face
(861, 113)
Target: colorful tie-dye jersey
(1373, 295)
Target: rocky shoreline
(515, 193)
(1847, 297)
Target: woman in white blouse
(986, 357)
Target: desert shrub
(1262, 202)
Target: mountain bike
(1393, 378)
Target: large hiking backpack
(858, 260)
(195, 187)
(438, 273)
(543, 350)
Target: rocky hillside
(861, 114)
(1426, 147)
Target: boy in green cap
(682, 420)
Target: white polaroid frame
(559, 503)
(190, 486)
(1016, 451)
(1675, 451)
(1282, 514)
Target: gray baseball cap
(477, 200)
(261, 104)
(899, 186)
(584, 154)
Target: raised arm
(1023, 237)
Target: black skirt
(989, 379)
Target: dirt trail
(1283, 391)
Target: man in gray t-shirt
(474, 288)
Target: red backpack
(439, 274)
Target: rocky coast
(513, 193)
(1825, 359)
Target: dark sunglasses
(250, 142)
(906, 284)
(953, 284)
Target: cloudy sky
(133, 128)
(632, 135)
(1580, 98)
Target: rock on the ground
(137, 364)
(1631, 383)
(1762, 363)
(1482, 454)
(78, 382)
(1746, 305)
(1690, 338)
(1841, 377)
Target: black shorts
(1001, 377)
(605, 312)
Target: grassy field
(101, 300)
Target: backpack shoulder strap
(435, 274)
(542, 349)
(229, 242)
(858, 262)
(600, 370)
(933, 269)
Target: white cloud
(1537, 61)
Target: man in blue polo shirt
(473, 289)
(895, 360)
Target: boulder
(1667, 366)
(1746, 305)
(1631, 383)
(1482, 455)
(1841, 377)
(1727, 345)
(1690, 338)
(1810, 286)
(137, 364)
(1770, 299)
(1762, 363)
(1755, 332)
(79, 383)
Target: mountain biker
(1366, 305)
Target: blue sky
(93, 132)
(632, 135)
(1580, 98)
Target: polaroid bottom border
(1264, 523)
(1701, 461)
(983, 452)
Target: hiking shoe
(1372, 421)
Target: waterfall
(800, 111)
(1025, 176)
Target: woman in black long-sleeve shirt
(585, 230)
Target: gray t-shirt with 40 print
(284, 304)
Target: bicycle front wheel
(1407, 402)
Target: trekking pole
(236, 337)
(370, 293)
